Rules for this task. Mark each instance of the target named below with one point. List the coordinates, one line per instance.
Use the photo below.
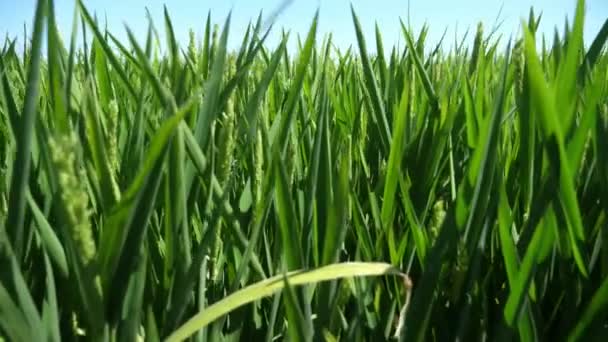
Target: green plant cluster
(317, 194)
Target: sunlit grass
(317, 194)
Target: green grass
(312, 194)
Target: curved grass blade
(272, 285)
(55, 70)
(8, 97)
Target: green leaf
(426, 81)
(272, 285)
(296, 330)
(543, 102)
(597, 305)
(516, 300)
(251, 109)
(394, 169)
(114, 236)
(288, 223)
(106, 48)
(24, 138)
(49, 239)
(565, 86)
(289, 110)
(595, 50)
(372, 86)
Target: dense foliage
(138, 188)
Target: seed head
(112, 136)
(74, 197)
(226, 142)
(259, 167)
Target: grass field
(312, 194)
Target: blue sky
(456, 16)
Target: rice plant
(206, 194)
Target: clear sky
(455, 15)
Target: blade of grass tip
(208, 111)
(106, 48)
(152, 334)
(380, 59)
(125, 52)
(102, 76)
(394, 167)
(256, 31)
(289, 110)
(243, 49)
(251, 109)
(372, 85)
(99, 152)
(426, 81)
(565, 84)
(171, 42)
(85, 46)
(204, 65)
(24, 137)
(543, 101)
(243, 70)
(272, 285)
(483, 164)
(164, 96)
(594, 52)
(8, 99)
(55, 71)
(71, 59)
(471, 116)
(577, 144)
